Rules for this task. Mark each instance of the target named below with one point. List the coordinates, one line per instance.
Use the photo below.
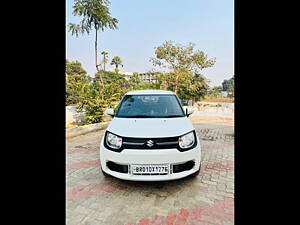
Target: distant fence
(223, 107)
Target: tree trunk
(96, 52)
(97, 66)
(116, 69)
(104, 62)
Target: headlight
(113, 141)
(187, 140)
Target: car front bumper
(136, 156)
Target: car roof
(150, 92)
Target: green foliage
(93, 96)
(77, 82)
(185, 65)
(116, 84)
(215, 91)
(198, 88)
(178, 57)
(93, 105)
(89, 95)
(189, 86)
(228, 85)
(104, 60)
(117, 62)
(95, 15)
(135, 82)
(97, 97)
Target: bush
(76, 82)
(98, 97)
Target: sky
(144, 25)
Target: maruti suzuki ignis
(150, 139)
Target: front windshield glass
(150, 106)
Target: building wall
(145, 77)
(148, 77)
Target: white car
(150, 139)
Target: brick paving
(207, 199)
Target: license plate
(150, 169)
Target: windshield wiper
(147, 116)
(172, 116)
(139, 116)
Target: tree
(189, 86)
(104, 60)
(93, 105)
(215, 91)
(77, 82)
(198, 88)
(96, 16)
(178, 57)
(135, 81)
(181, 60)
(117, 62)
(228, 85)
(116, 84)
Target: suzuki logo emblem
(150, 143)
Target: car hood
(150, 127)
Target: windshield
(150, 106)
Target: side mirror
(110, 112)
(189, 111)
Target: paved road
(207, 199)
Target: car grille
(150, 143)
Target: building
(128, 75)
(148, 77)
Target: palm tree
(104, 60)
(117, 62)
(96, 16)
